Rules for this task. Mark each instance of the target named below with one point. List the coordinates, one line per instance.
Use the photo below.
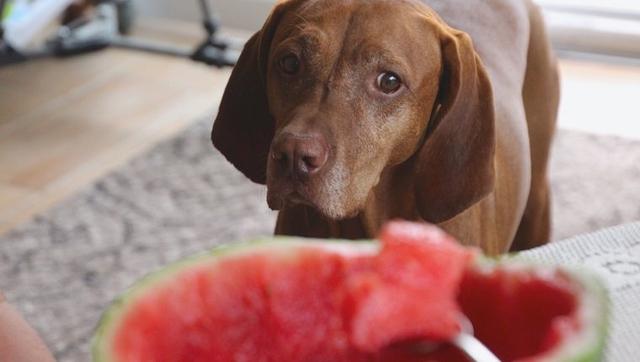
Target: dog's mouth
(279, 198)
(287, 196)
(326, 193)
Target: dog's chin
(331, 209)
(339, 212)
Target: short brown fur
(464, 143)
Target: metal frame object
(102, 31)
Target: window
(610, 27)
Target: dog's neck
(392, 198)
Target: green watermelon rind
(587, 347)
(108, 322)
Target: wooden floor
(64, 123)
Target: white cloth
(614, 254)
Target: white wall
(571, 29)
(241, 14)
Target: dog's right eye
(389, 82)
(290, 64)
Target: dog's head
(329, 94)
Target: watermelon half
(295, 300)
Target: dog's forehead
(318, 7)
(363, 20)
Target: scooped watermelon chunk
(411, 288)
(291, 299)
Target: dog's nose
(300, 155)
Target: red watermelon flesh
(411, 288)
(318, 303)
(519, 314)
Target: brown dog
(354, 112)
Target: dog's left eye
(290, 64)
(389, 82)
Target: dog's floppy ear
(455, 165)
(243, 128)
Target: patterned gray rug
(62, 268)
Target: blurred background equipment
(93, 25)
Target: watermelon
(293, 299)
